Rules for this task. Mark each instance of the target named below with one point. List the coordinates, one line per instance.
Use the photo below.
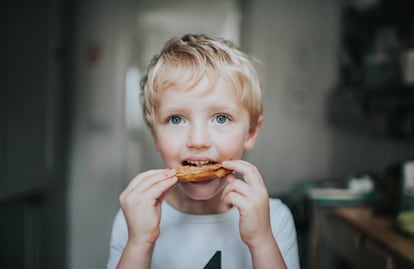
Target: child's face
(200, 125)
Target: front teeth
(196, 163)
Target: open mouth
(197, 163)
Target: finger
(235, 199)
(150, 196)
(230, 178)
(165, 193)
(252, 197)
(140, 178)
(159, 191)
(154, 179)
(237, 186)
(136, 180)
(249, 172)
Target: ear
(157, 148)
(251, 138)
(155, 140)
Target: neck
(180, 201)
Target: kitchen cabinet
(360, 238)
(384, 112)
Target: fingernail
(169, 172)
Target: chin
(204, 190)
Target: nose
(198, 137)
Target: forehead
(183, 77)
(216, 93)
(187, 78)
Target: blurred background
(337, 77)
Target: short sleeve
(119, 237)
(284, 230)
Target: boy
(202, 103)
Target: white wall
(97, 158)
(296, 42)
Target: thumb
(230, 178)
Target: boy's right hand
(141, 204)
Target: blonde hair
(183, 62)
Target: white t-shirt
(207, 241)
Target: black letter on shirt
(215, 261)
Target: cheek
(166, 145)
(230, 146)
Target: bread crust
(189, 173)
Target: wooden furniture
(360, 237)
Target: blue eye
(221, 119)
(175, 120)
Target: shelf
(385, 112)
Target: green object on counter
(405, 220)
(407, 191)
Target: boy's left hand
(251, 199)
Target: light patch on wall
(158, 24)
